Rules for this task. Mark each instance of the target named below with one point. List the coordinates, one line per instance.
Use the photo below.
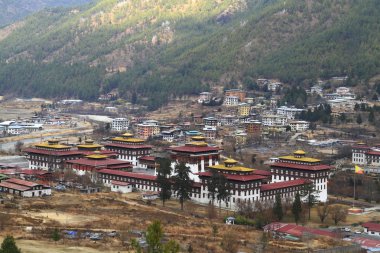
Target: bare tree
(338, 213)
(323, 211)
(230, 242)
(18, 146)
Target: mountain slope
(177, 47)
(11, 10)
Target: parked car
(347, 229)
(112, 234)
(96, 236)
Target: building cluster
(125, 163)
(369, 156)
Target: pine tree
(371, 117)
(277, 208)
(223, 190)
(56, 236)
(359, 119)
(154, 236)
(182, 183)
(311, 194)
(9, 245)
(164, 172)
(212, 185)
(297, 208)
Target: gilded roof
(299, 152)
(300, 159)
(233, 168)
(52, 145)
(132, 140)
(97, 156)
(230, 160)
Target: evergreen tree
(297, 208)
(154, 236)
(223, 189)
(9, 245)
(171, 247)
(212, 185)
(182, 183)
(311, 195)
(277, 208)
(359, 119)
(371, 116)
(163, 179)
(56, 236)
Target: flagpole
(353, 201)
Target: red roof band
(194, 149)
(119, 145)
(285, 184)
(243, 178)
(127, 174)
(372, 226)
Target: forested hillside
(178, 47)
(12, 10)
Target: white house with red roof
(371, 228)
(24, 188)
(122, 187)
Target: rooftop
(128, 146)
(300, 159)
(286, 184)
(372, 226)
(195, 149)
(242, 178)
(301, 166)
(130, 140)
(127, 174)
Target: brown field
(111, 211)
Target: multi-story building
(204, 97)
(197, 155)
(240, 94)
(148, 162)
(298, 166)
(147, 129)
(128, 148)
(247, 185)
(253, 127)
(299, 125)
(366, 155)
(51, 155)
(240, 137)
(210, 121)
(289, 112)
(274, 120)
(274, 86)
(91, 164)
(119, 124)
(189, 135)
(228, 120)
(209, 132)
(244, 109)
(231, 101)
